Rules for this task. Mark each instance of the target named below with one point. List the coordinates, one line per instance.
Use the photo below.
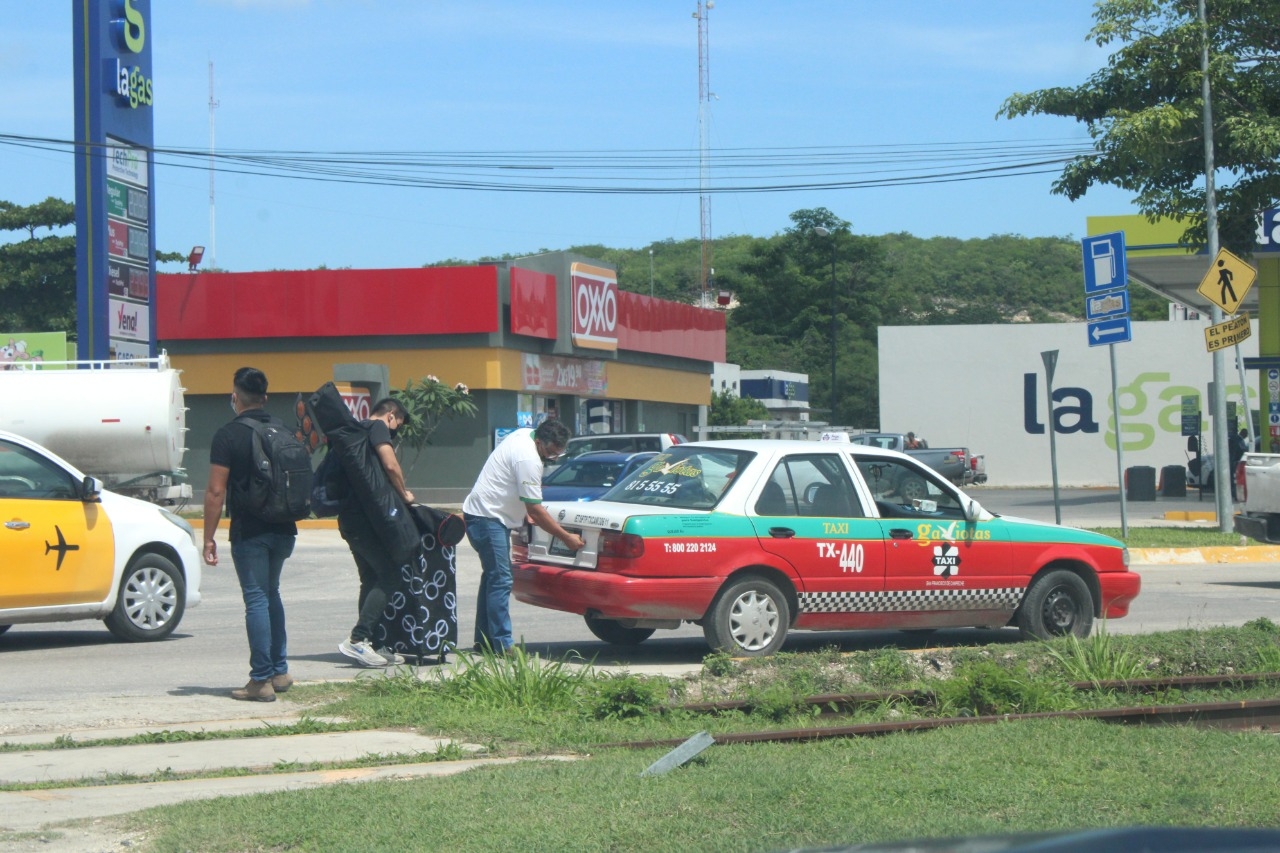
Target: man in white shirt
(508, 489)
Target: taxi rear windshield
(682, 478)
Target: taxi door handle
(782, 533)
(17, 525)
(899, 533)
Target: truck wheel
(615, 633)
(913, 488)
(749, 618)
(150, 602)
(1057, 604)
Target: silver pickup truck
(954, 463)
(1260, 519)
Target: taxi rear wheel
(749, 618)
(1057, 604)
(615, 633)
(151, 600)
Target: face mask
(233, 404)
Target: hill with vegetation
(783, 298)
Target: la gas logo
(129, 31)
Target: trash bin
(1140, 483)
(1173, 481)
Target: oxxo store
(544, 335)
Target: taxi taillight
(621, 546)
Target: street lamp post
(826, 232)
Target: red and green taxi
(752, 539)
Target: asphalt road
(78, 661)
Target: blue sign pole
(115, 179)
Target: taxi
(71, 550)
(753, 539)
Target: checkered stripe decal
(1005, 598)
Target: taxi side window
(898, 486)
(27, 475)
(812, 485)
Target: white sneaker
(362, 651)
(392, 658)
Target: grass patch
(1175, 537)
(1035, 776)
(305, 726)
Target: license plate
(558, 548)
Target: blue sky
(434, 76)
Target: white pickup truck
(1260, 519)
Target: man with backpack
(379, 571)
(253, 464)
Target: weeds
(985, 688)
(1097, 659)
(517, 680)
(625, 696)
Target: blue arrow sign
(1105, 267)
(1113, 331)
(1107, 304)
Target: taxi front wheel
(151, 600)
(749, 618)
(1058, 603)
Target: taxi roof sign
(1227, 281)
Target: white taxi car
(71, 550)
(755, 538)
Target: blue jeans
(259, 561)
(492, 542)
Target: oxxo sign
(594, 306)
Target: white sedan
(71, 550)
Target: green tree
(429, 402)
(38, 273)
(730, 410)
(1144, 111)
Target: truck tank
(124, 425)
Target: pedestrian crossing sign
(1227, 281)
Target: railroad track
(1240, 715)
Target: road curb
(1213, 555)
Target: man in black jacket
(258, 548)
(379, 573)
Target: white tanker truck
(125, 425)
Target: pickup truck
(954, 463)
(1260, 519)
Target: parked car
(752, 539)
(72, 550)
(621, 442)
(589, 475)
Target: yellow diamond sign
(1227, 281)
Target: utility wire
(626, 172)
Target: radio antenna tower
(213, 231)
(704, 157)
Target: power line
(623, 172)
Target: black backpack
(328, 487)
(280, 485)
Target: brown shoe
(281, 682)
(255, 691)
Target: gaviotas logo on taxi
(129, 31)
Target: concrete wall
(984, 387)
